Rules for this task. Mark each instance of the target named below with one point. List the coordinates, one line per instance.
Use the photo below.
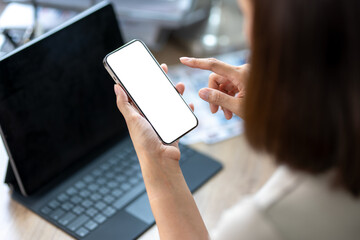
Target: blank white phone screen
(154, 94)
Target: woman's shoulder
(293, 205)
(246, 221)
(306, 206)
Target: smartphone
(150, 89)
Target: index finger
(211, 64)
(164, 67)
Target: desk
(244, 173)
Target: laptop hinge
(10, 179)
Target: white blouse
(293, 205)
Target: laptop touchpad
(141, 209)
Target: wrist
(161, 156)
(161, 175)
(159, 167)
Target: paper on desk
(16, 16)
(212, 128)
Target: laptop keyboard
(100, 194)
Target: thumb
(122, 102)
(219, 98)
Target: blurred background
(170, 28)
(197, 27)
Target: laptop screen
(56, 100)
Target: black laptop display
(72, 161)
(56, 101)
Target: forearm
(172, 204)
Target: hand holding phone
(150, 90)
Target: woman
(300, 98)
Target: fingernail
(204, 94)
(185, 59)
(116, 89)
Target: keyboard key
(87, 203)
(76, 199)
(88, 179)
(110, 175)
(97, 172)
(100, 218)
(91, 212)
(67, 206)
(129, 172)
(46, 210)
(125, 186)
(104, 190)
(54, 204)
(136, 167)
(109, 199)
(95, 197)
(136, 190)
(120, 178)
(113, 160)
(82, 232)
(117, 192)
(112, 184)
(109, 211)
(134, 180)
(124, 163)
(93, 187)
(91, 225)
(118, 169)
(57, 214)
(78, 222)
(78, 210)
(71, 191)
(134, 158)
(100, 205)
(80, 184)
(63, 197)
(84, 193)
(105, 166)
(101, 180)
(64, 220)
(126, 169)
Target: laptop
(71, 159)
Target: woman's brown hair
(303, 96)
